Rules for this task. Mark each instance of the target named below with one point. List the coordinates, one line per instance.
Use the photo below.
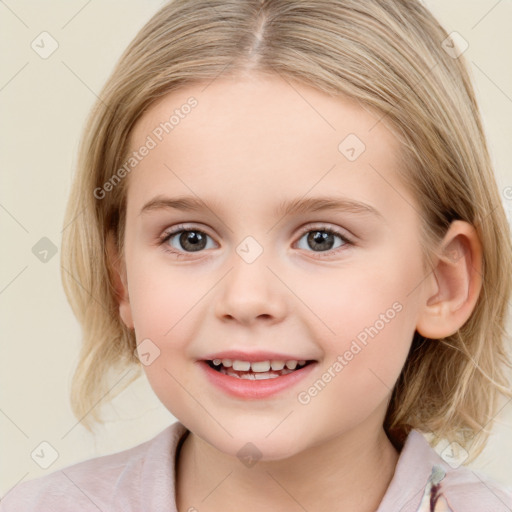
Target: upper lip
(255, 356)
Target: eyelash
(181, 228)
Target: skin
(250, 143)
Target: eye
(323, 239)
(189, 241)
(183, 240)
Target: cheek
(160, 296)
(368, 299)
(362, 362)
(162, 310)
(371, 314)
(166, 302)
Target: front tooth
(227, 362)
(277, 365)
(263, 376)
(291, 364)
(241, 366)
(260, 366)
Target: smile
(256, 370)
(255, 379)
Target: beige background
(44, 103)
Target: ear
(117, 272)
(452, 289)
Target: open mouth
(259, 370)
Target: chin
(253, 446)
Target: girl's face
(337, 281)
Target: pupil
(317, 238)
(194, 239)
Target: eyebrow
(285, 208)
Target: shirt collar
(412, 473)
(155, 475)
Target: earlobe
(117, 272)
(453, 287)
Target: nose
(251, 292)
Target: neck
(350, 471)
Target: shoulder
(93, 484)
(422, 475)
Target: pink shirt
(142, 478)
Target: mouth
(257, 370)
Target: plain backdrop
(44, 103)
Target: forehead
(264, 106)
(261, 133)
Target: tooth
(277, 365)
(241, 366)
(227, 362)
(255, 376)
(248, 376)
(216, 362)
(302, 362)
(291, 364)
(261, 366)
(262, 376)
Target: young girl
(233, 140)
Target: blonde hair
(389, 56)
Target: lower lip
(245, 388)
